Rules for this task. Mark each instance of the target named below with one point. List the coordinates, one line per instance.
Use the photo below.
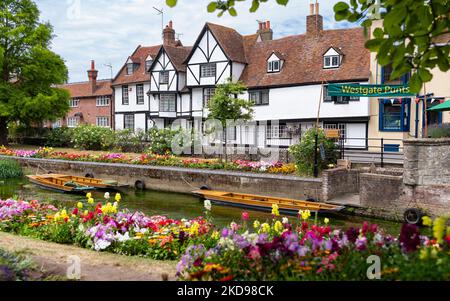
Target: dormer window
(332, 59)
(274, 63)
(148, 64)
(130, 68)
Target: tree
(407, 39)
(226, 106)
(29, 70)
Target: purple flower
(352, 234)
(409, 237)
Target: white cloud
(109, 31)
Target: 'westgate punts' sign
(358, 90)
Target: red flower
(245, 216)
(75, 211)
(227, 278)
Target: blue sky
(108, 31)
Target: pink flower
(245, 216)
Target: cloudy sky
(108, 31)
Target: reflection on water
(173, 205)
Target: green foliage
(29, 70)
(90, 137)
(60, 137)
(437, 131)
(161, 140)
(303, 152)
(129, 141)
(408, 37)
(10, 169)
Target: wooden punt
(59, 184)
(90, 182)
(264, 203)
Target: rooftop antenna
(160, 12)
(179, 35)
(111, 68)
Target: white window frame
(164, 77)
(74, 102)
(72, 122)
(140, 95)
(130, 68)
(102, 101)
(129, 123)
(102, 121)
(328, 61)
(57, 124)
(274, 66)
(208, 93)
(208, 70)
(125, 96)
(168, 103)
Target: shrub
(161, 140)
(60, 137)
(90, 137)
(436, 131)
(128, 141)
(10, 169)
(303, 152)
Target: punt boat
(264, 203)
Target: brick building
(91, 102)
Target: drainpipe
(417, 120)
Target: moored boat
(59, 184)
(265, 203)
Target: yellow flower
(426, 221)
(278, 227)
(326, 221)
(194, 229)
(423, 254)
(118, 197)
(265, 228)
(305, 214)
(89, 195)
(85, 212)
(439, 227)
(256, 224)
(80, 205)
(91, 201)
(215, 235)
(275, 210)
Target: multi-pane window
(56, 124)
(208, 93)
(395, 115)
(72, 122)
(140, 94)
(274, 66)
(103, 121)
(73, 103)
(259, 98)
(128, 122)
(337, 99)
(278, 132)
(167, 103)
(125, 96)
(386, 73)
(102, 101)
(331, 61)
(164, 77)
(130, 68)
(208, 70)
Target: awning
(445, 106)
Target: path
(52, 258)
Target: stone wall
(185, 180)
(339, 181)
(427, 175)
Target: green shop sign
(368, 90)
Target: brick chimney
(169, 35)
(92, 74)
(265, 31)
(314, 22)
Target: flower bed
(303, 251)
(154, 160)
(103, 227)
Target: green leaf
(232, 12)
(171, 3)
(415, 83)
(212, 7)
(424, 75)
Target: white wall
(133, 106)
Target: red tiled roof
(303, 55)
(177, 56)
(83, 89)
(231, 42)
(140, 74)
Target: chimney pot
(169, 35)
(92, 75)
(171, 24)
(317, 8)
(268, 24)
(311, 9)
(261, 25)
(92, 65)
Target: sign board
(332, 134)
(358, 90)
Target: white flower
(122, 238)
(107, 196)
(208, 205)
(285, 220)
(101, 244)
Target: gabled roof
(176, 54)
(84, 90)
(231, 42)
(303, 56)
(139, 75)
